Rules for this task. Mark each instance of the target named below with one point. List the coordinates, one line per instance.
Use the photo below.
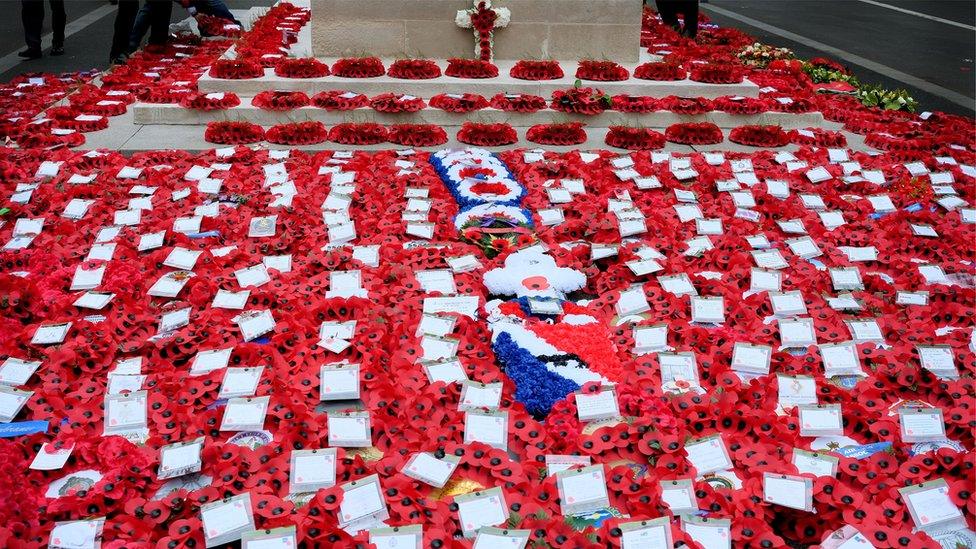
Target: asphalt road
(928, 47)
(937, 55)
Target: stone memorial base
(540, 29)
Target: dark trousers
(123, 26)
(143, 21)
(32, 15)
(688, 9)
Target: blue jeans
(143, 21)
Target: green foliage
(890, 100)
(823, 75)
(870, 95)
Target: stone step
(488, 87)
(123, 135)
(148, 113)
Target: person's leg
(217, 8)
(159, 14)
(32, 15)
(689, 11)
(58, 21)
(140, 26)
(123, 27)
(668, 12)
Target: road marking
(11, 60)
(890, 72)
(918, 14)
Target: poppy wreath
(456, 103)
(759, 136)
(635, 104)
(601, 71)
(518, 102)
(226, 132)
(414, 69)
(635, 139)
(417, 135)
(358, 67)
(301, 67)
(102, 107)
(660, 70)
(794, 105)
(886, 142)
(166, 95)
(394, 103)
(536, 70)
(353, 133)
(821, 138)
(210, 101)
(581, 101)
(711, 73)
(740, 105)
(339, 100)
(570, 133)
(275, 100)
(686, 105)
(40, 138)
(297, 133)
(236, 69)
(82, 123)
(470, 68)
(694, 133)
(211, 25)
(487, 135)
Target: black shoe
(57, 50)
(119, 59)
(30, 54)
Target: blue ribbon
(20, 428)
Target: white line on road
(918, 14)
(890, 72)
(11, 60)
